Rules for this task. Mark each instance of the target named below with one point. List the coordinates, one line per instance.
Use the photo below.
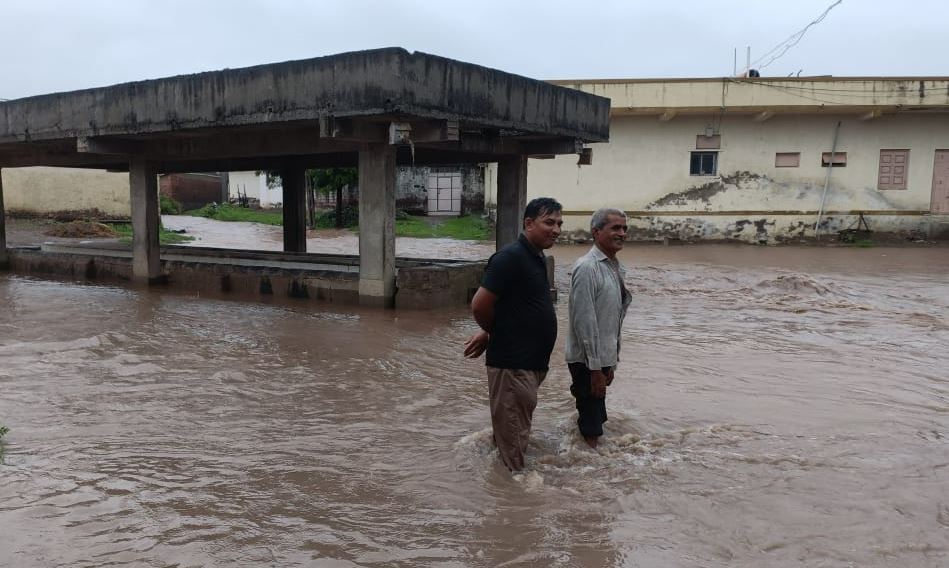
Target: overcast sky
(61, 45)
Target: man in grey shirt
(598, 304)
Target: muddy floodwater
(774, 407)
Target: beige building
(746, 158)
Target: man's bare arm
(482, 308)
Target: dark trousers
(592, 410)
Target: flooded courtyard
(773, 407)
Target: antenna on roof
(747, 71)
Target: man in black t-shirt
(518, 327)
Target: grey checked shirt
(597, 310)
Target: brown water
(775, 407)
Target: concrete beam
(481, 146)
(354, 130)
(4, 259)
(222, 144)
(434, 131)
(394, 132)
(55, 153)
(541, 147)
(512, 198)
(334, 160)
(96, 162)
(510, 146)
(143, 184)
(424, 155)
(377, 225)
(763, 116)
(97, 145)
(294, 209)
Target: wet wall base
(420, 284)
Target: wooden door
(940, 202)
(893, 169)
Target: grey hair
(598, 221)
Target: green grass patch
(165, 237)
(228, 212)
(466, 227)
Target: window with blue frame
(704, 164)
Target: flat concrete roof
(867, 97)
(315, 112)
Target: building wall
(42, 191)
(254, 186)
(644, 169)
(191, 190)
(412, 195)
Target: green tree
(325, 181)
(331, 180)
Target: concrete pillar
(143, 183)
(4, 259)
(377, 225)
(294, 209)
(512, 199)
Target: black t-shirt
(525, 323)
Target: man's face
(542, 231)
(612, 236)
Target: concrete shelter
(372, 109)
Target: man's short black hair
(541, 206)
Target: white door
(444, 192)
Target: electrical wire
(796, 94)
(848, 92)
(721, 115)
(825, 92)
(790, 42)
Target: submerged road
(774, 407)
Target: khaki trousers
(512, 394)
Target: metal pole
(830, 166)
(4, 257)
(225, 187)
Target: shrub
(327, 219)
(168, 205)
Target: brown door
(940, 204)
(893, 165)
